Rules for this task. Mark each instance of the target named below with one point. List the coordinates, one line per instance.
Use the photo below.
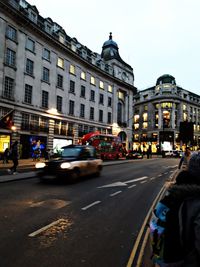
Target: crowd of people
(175, 224)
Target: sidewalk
(25, 170)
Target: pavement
(26, 169)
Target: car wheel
(75, 174)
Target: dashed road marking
(116, 193)
(142, 182)
(46, 227)
(91, 205)
(131, 186)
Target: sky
(155, 37)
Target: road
(96, 220)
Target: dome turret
(166, 78)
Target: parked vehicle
(134, 155)
(74, 161)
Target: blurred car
(173, 153)
(74, 161)
(134, 155)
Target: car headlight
(40, 165)
(65, 165)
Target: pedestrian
(14, 157)
(6, 155)
(177, 216)
(183, 164)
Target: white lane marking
(137, 179)
(172, 171)
(116, 193)
(165, 173)
(152, 178)
(92, 204)
(132, 186)
(159, 175)
(142, 182)
(46, 227)
(113, 185)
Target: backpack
(157, 232)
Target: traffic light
(186, 131)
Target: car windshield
(70, 152)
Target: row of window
(8, 93)
(9, 90)
(10, 60)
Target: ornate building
(54, 89)
(158, 112)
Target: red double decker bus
(108, 146)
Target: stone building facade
(56, 89)
(158, 112)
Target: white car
(74, 161)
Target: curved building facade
(159, 112)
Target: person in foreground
(175, 225)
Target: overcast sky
(155, 37)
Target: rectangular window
(82, 111)
(110, 89)
(11, 33)
(72, 69)
(44, 125)
(60, 81)
(71, 107)
(45, 99)
(25, 124)
(46, 54)
(57, 127)
(72, 86)
(83, 75)
(109, 101)
(59, 103)
(91, 113)
(82, 91)
(101, 99)
(28, 94)
(8, 88)
(92, 95)
(109, 117)
(101, 85)
(92, 80)
(34, 123)
(101, 115)
(30, 45)
(29, 66)
(10, 57)
(45, 75)
(60, 62)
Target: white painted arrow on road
(123, 184)
(113, 185)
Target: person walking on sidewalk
(14, 157)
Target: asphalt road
(96, 220)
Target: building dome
(166, 78)
(110, 49)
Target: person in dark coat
(14, 157)
(181, 245)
